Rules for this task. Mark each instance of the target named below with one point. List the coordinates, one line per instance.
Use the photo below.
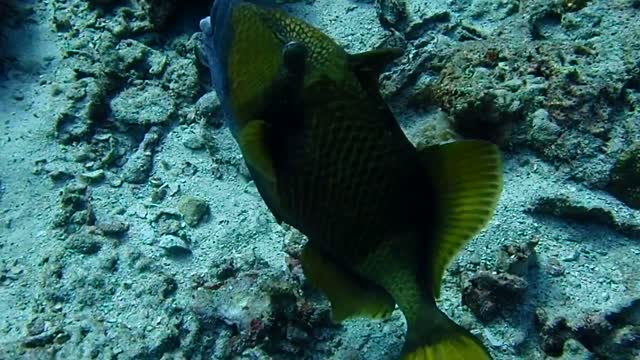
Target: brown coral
(625, 176)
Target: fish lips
(216, 29)
(205, 26)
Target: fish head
(244, 58)
(246, 47)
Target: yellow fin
(467, 178)
(436, 337)
(252, 140)
(350, 295)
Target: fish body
(383, 219)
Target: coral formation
(487, 294)
(75, 208)
(517, 259)
(260, 311)
(612, 334)
(479, 92)
(568, 208)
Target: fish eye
(294, 54)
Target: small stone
(158, 195)
(552, 333)
(60, 175)
(92, 177)
(297, 335)
(543, 131)
(114, 228)
(178, 252)
(110, 263)
(148, 106)
(194, 142)
(76, 119)
(391, 13)
(571, 208)
(35, 326)
(516, 259)
(573, 256)
(155, 181)
(573, 349)
(140, 212)
(592, 329)
(487, 293)
(40, 339)
(554, 267)
(174, 188)
(61, 338)
(193, 210)
(208, 110)
(83, 243)
(169, 287)
(181, 78)
(136, 170)
(115, 182)
(188, 169)
(18, 95)
(226, 271)
(513, 85)
(174, 247)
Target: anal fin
(350, 295)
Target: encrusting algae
(383, 218)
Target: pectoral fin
(467, 178)
(252, 139)
(350, 295)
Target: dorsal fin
(369, 65)
(467, 178)
(374, 61)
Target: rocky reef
(130, 227)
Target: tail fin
(439, 338)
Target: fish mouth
(205, 26)
(217, 32)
